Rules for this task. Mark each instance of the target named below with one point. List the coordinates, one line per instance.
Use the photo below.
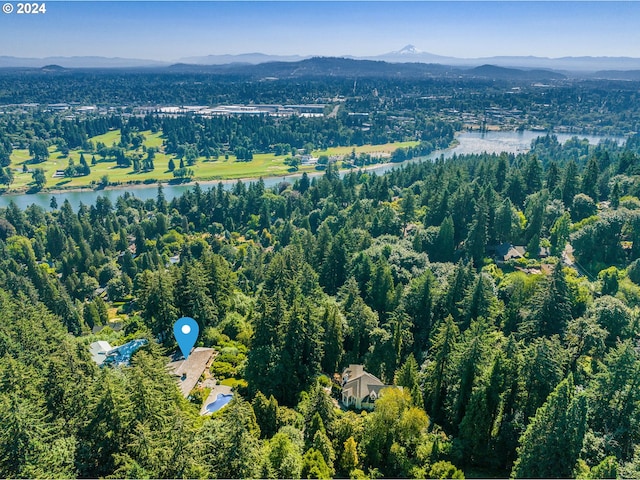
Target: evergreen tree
(533, 174)
(157, 298)
(230, 442)
(266, 412)
(381, 289)
(301, 354)
(505, 219)
(349, 459)
(333, 338)
(419, 305)
(444, 246)
(444, 342)
(192, 294)
(407, 207)
(551, 310)
(590, 179)
(569, 184)
(476, 241)
(560, 234)
(470, 356)
(614, 395)
(614, 197)
(553, 176)
(264, 357)
(552, 442)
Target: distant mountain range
(349, 67)
(607, 66)
(569, 64)
(78, 62)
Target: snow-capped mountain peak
(409, 50)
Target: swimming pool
(221, 400)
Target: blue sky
(168, 30)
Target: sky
(171, 30)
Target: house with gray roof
(99, 350)
(360, 389)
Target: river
(468, 143)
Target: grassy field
(262, 165)
(386, 148)
(109, 138)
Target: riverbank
(204, 182)
(467, 143)
(103, 169)
(266, 173)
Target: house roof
(360, 384)
(188, 371)
(122, 355)
(99, 350)
(506, 251)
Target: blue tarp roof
(122, 355)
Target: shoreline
(230, 181)
(226, 181)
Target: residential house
(189, 371)
(104, 354)
(360, 389)
(99, 351)
(505, 252)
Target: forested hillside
(500, 291)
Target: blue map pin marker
(186, 332)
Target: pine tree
(505, 222)
(332, 328)
(560, 234)
(458, 282)
(444, 245)
(533, 174)
(419, 305)
(230, 443)
(263, 359)
(569, 184)
(501, 173)
(476, 241)
(551, 310)
(192, 294)
(614, 396)
(333, 269)
(444, 342)
(266, 411)
(553, 176)
(550, 445)
(481, 300)
(470, 357)
(407, 207)
(477, 426)
(590, 179)
(407, 376)
(349, 459)
(301, 354)
(360, 321)
(157, 299)
(614, 197)
(381, 289)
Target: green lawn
(386, 148)
(262, 165)
(108, 138)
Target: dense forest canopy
(500, 291)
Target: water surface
(468, 143)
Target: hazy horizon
(169, 31)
